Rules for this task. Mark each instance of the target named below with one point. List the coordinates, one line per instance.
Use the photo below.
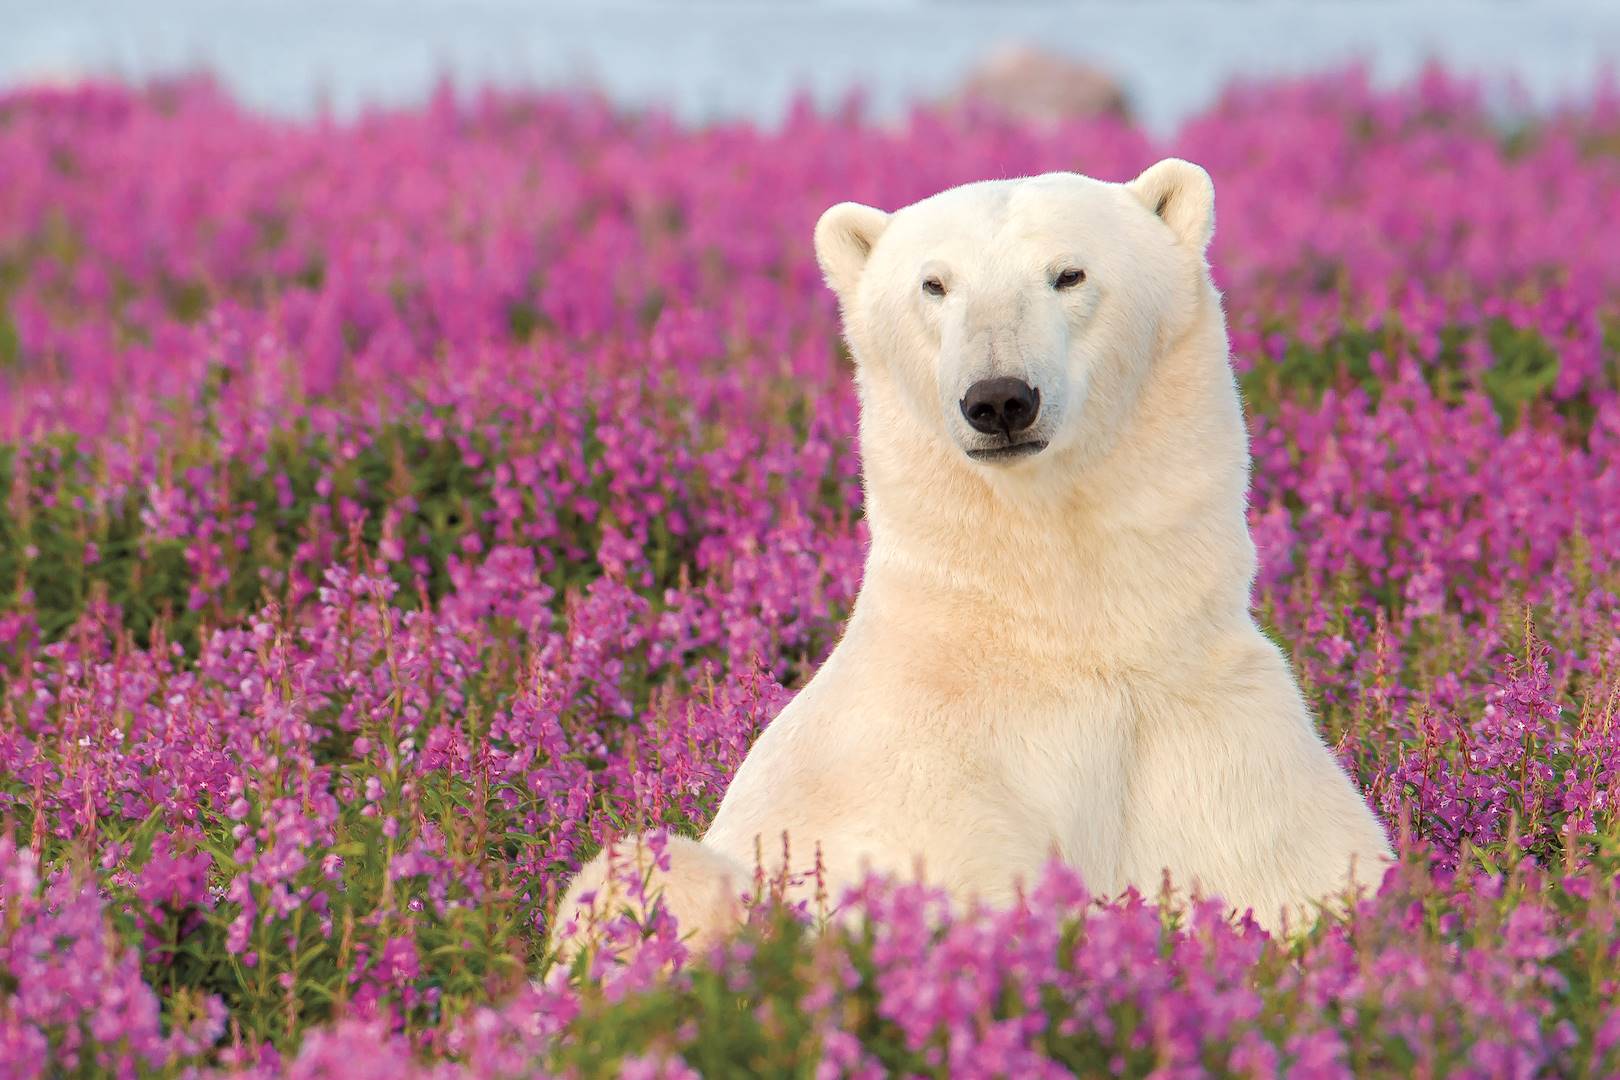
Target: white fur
(1052, 655)
(700, 885)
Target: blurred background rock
(1042, 87)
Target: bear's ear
(1183, 195)
(845, 236)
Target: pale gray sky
(747, 57)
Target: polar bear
(1052, 653)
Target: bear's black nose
(1001, 406)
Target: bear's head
(1012, 324)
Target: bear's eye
(933, 286)
(1068, 279)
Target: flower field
(396, 508)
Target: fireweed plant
(397, 508)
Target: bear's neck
(1121, 560)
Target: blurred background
(704, 59)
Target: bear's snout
(1003, 406)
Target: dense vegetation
(395, 509)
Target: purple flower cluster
(75, 1002)
(397, 509)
